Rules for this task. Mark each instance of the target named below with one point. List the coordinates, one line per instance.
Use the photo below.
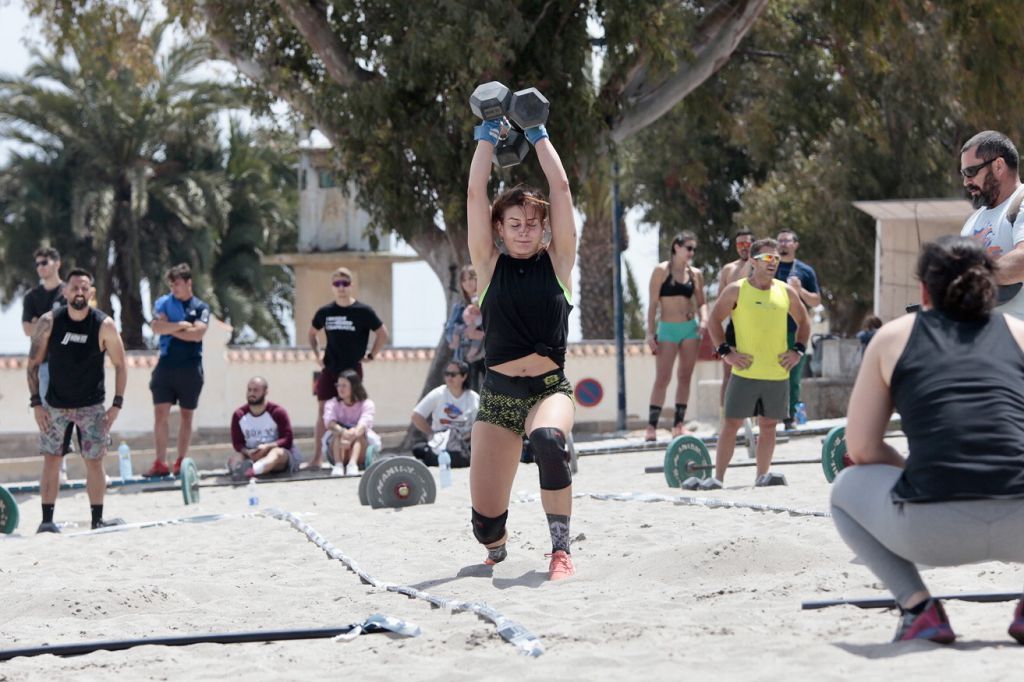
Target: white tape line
(712, 502)
(515, 634)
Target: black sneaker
(787, 424)
(107, 523)
(47, 527)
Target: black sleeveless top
(959, 389)
(76, 361)
(525, 311)
(670, 287)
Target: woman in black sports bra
(677, 288)
(523, 249)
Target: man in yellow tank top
(761, 359)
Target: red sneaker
(1017, 626)
(177, 466)
(931, 624)
(561, 566)
(158, 469)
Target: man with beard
(804, 281)
(989, 166)
(73, 339)
(737, 269)
(261, 433)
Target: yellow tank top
(760, 322)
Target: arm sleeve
(375, 322)
(237, 437)
(367, 414)
(203, 313)
(329, 411)
(26, 312)
(454, 319)
(428, 404)
(318, 319)
(812, 280)
(284, 427)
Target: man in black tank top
(73, 339)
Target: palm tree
(146, 187)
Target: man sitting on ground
(261, 433)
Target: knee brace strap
(552, 458)
(487, 530)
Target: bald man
(261, 433)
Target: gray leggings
(892, 538)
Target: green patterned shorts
(506, 401)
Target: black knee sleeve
(552, 458)
(487, 530)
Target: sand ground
(663, 591)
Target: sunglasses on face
(339, 283)
(768, 258)
(691, 249)
(971, 171)
(42, 263)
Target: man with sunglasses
(761, 358)
(347, 324)
(804, 281)
(181, 320)
(989, 168)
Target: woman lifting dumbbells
(523, 249)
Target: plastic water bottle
(801, 413)
(124, 461)
(253, 494)
(444, 466)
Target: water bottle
(124, 461)
(801, 413)
(253, 494)
(444, 466)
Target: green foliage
(125, 174)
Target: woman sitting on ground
(449, 408)
(955, 374)
(349, 422)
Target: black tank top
(670, 287)
(959, 389)
(76, 361)
(525, 311)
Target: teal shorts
(674, 332)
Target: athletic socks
(496, 555)
(559, 527)
(653, 414)
(680, 414)
(97, 514)
(259, 466)
(48, 513)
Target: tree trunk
(597, 279)
(129, 274)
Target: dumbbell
(517, 111)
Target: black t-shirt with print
(348, 331)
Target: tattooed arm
(36, 357)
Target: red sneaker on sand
(177, 466)
(931, 624)
(561, 566)
(158, 469)
(1017, 626)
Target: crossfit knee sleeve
(552, 458)
(487, 530)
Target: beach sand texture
(662, 591)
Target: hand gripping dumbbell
(516, 112)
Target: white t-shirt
(991, 227)
(445, 411)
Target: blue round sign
(589, 392)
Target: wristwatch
(724, 349)
(799, 348)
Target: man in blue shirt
(804, 280)
(181, 320)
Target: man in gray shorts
(760, 359)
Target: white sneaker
(351, 469)
(337, 470)
(711, 484)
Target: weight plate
(833, 453)
(8, 512)
(400, 482)
(189, 481)
(364, 480)
(685, 457)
